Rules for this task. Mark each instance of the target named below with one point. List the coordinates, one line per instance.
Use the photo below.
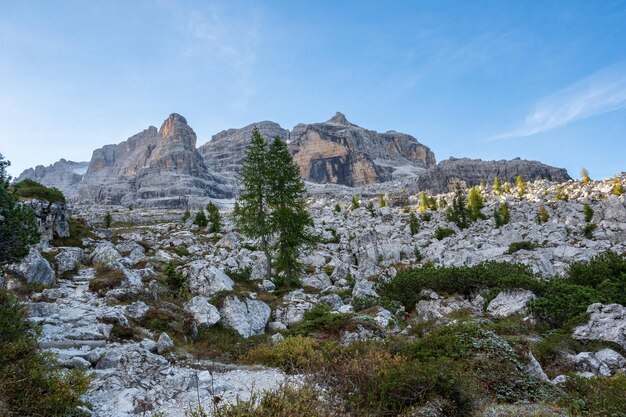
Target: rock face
(52, 219)
(36, 269)
(607, 322)
(339, 152)
(509, 303)
(443, 177)
(247, 317)
(224, 152)
(154, 168)
(64, 175)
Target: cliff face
(64, 175)
(224, 152)
(153, 168)
(339, 152)
(444, 176)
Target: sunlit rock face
(154, 168)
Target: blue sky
(542, 80)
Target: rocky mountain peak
(176, 126)
(339, 119)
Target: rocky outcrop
(339, 152)
(35, 269)
(52, 219)
(224, 152)
(607, 323)
(160, 168)
(469, 172)
(510, 302)
(64, 175)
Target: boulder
(164, 344)
(364, 288)
(36, 269)
(68, 259)
(205, 279)
(203, 312)
(293, 307)
(105, 253)
(509, 303)
(248, 317)
(607, 322)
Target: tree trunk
(268, 258)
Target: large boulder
(105, 253)
(68, 259)
(36, 269)
(607, 322)
(202, 311)
(205, 279)
(293, 307)
(248, 317)
(510, 302)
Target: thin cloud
(601, 92)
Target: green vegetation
(382, 202)
(618, 188)
(273, 205)
(200, 220)
(186, 216)
(589, 229)
(520, 184)
(443, 232)
(542, 215)
(475, 204)
(595, 396)
(18, 227)
(107, 220)
(79, 230)
(458, 213)
(31, 384)
(588, 212)
(584, 174)
(214, 218)
(501, 215)
(414, 224)
(523, 245)
(497, 188)
(561, 194)
(106, 278)
(31, 189)
(426, 203)
(337, 208)
(355, 202)
(507, 188)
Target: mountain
(160, 168)
(339, 152)
(64, 175)
(443, 177)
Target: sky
(541, 80)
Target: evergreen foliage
(355, 202)
(381, 200)
(186, 216)
(475, 203)
(426, 203)
(497, 188)
(618, 188)
(501, 215)
(200, 220)
(521, 186)
(458, 213)
(107, 220)
(507, 188)
(214, 218)
(588, 212)
(542, 215)
(18, 227)
(31, 189)
(414, 224)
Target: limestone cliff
(64, 175)
(152, 168)
(443, 177)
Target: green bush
(443, 232)
(501, 215)
(414, 225)
(542, 215)
(201, 220)
(79, 230)
(296, 354)
(595, 396)
(523, 245)
(321, 319)
(588, 212)
(31, 384)
(31, 189)
(588, 230)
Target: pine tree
(381, 200)
(501, 215)
(507, 188)
(252, 215)
(521, 186)
(424, 202)
(414, 224)
(186, 216)
(458, 213)
(585, 176)
(588, 212)
(290, 220)
(542, 215)
(475, 204)
(214, 218)
(355, 202)
(497, 188)
(107, 220)
(18, 227)
(200, 220)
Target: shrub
(588, 230)
(287, 401)
(321, 319)
(418, 255)
(200, 220)
(32, 189)
(31, 384)
(521, 186)
(381, 201)
(443, 232)
(595, 396)
(106, 278)
(507, 188)
(618, 188)
(497, 188)
(523, 245)
(296, 354)
(182, 251)
(458, 213)
(588, 212)
(355, 202)
(426, 203)
(186, 216)
(561, 195)
(168, 317)
(475, 204)
(426, 217)
(337, 208)
(107, 220)
(414, 224)
(542, 215)
(501, 215)
(214, 218)
(223, 344)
